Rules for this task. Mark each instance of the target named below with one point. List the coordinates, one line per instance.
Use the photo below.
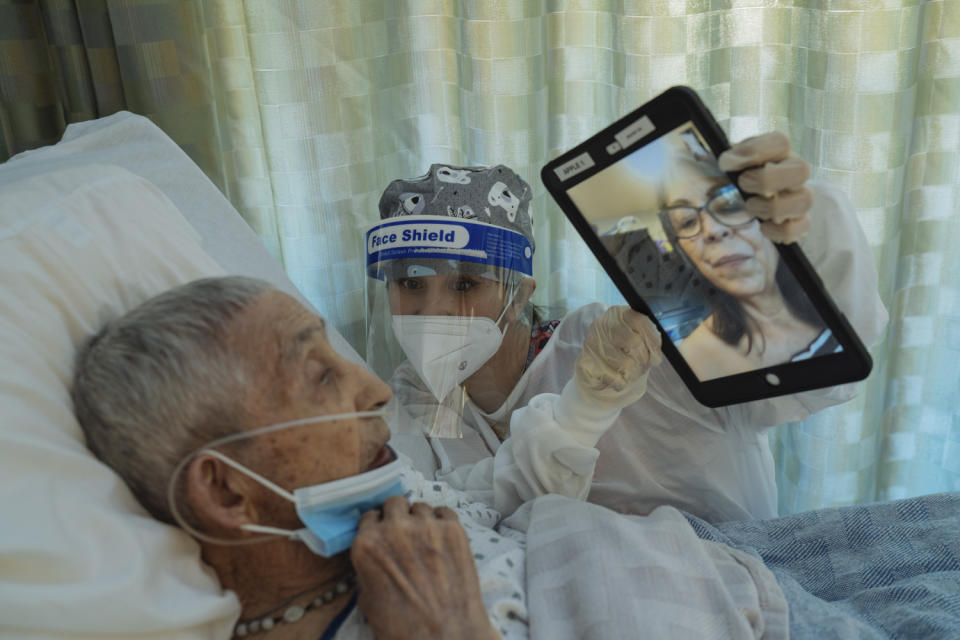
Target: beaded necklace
(293, 612)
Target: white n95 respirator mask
(330, 511)
(446, 350)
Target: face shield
(440, 292)
(328, 512)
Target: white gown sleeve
(550, 450)
(838, 250)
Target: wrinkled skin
(416, 574)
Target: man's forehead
(315, 330)
(292, 346)
(281, 317)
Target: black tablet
(742, 317)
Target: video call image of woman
(716, 284)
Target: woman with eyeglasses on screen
(759, 315)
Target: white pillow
(135, 143)
(79, 556)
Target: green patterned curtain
(182, 63)
(302, 111)
(881, 117)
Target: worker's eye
(410, 284)
(464, 283)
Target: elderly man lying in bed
(176, 394)
(227, 412)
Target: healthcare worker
(517, 404)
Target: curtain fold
(303, 111)
(182, 63)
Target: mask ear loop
(209, 450)
(175, 512)
(277, 489)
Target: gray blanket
(883, 570)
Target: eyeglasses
(726, 207)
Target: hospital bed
(115, 213)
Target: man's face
(298, 375)
(450, 294)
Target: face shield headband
(413, 238)
(329, 511)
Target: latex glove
(416, 574)
(778, 177)
(621, 347)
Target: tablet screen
(680, 232)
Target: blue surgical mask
(331, 523)
(331, 510)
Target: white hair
(160, 381)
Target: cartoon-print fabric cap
(495, 195)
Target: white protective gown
(666, 448)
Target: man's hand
(620, 348)
(778, 178)
(416, 574)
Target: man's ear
(219, 496)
